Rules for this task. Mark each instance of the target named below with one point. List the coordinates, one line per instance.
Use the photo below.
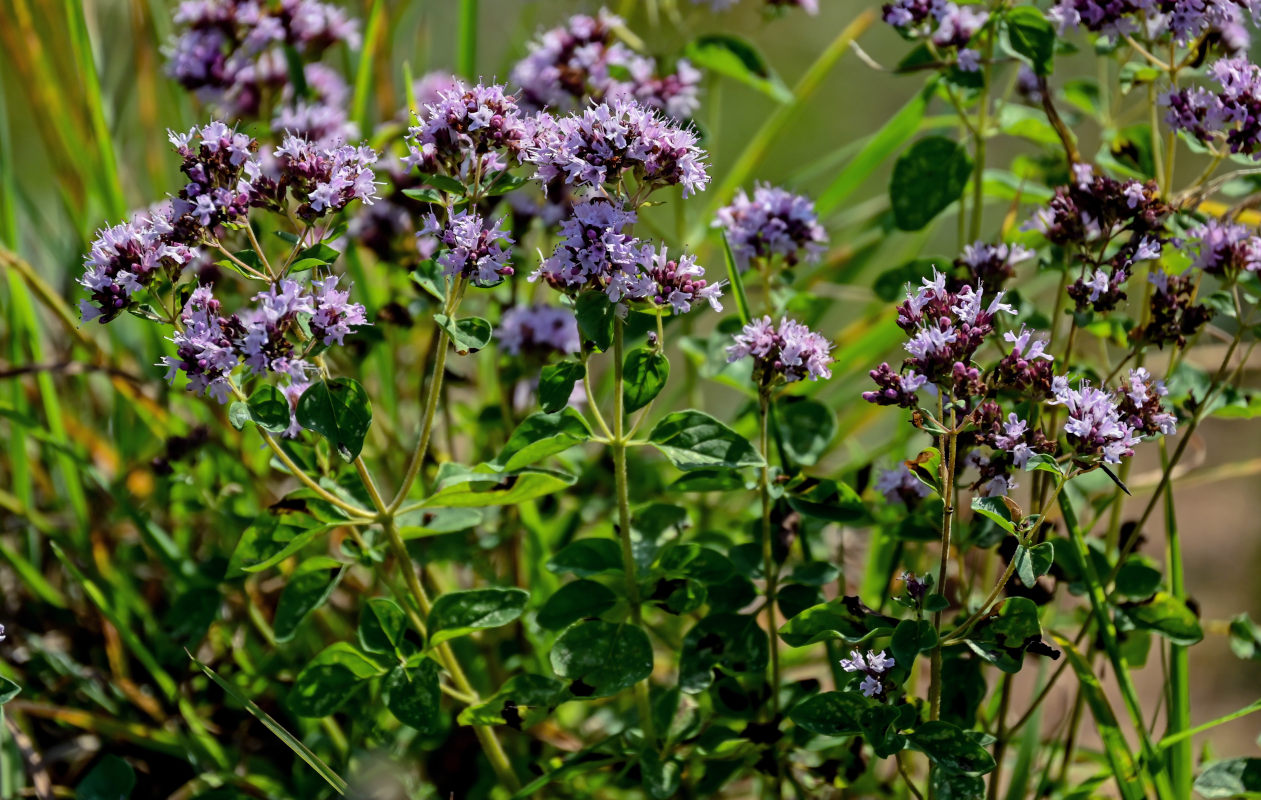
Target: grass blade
(737, 282)
(372, 36)
(466, 54)
(302, 751)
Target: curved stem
(299, 473)
(431, 402)
(618, 444)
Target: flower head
(469, 129)
(325, 180)
(538, 329)
(789, 352)
(473, 249)
(774, 222)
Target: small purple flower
(469, 130)
(993, 264)
(1095, 427)
(898, 485)
(596, 252)
(873, 666)
(775, 222)
(679, 283)
(538, 329)
(1225, 248)
(473, 250)
(262, 331)
(791, 352)
(333, 316)
(326, 180)
(596, 147)
(1232, 114)
(583, 61)
(125, 258)
(204, 351)
(1142, 406)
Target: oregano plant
(566, 421)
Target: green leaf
(1120, 758)
(425, 195)
(275, 534)
(595, 318)
(542, 435)
(830, 713)
(957, 786)
(828, 499)
(995, 508)
(520, 703)
(429, 276)
(1235, 777)
(330, 679)
(927, 178)
(239, 415)
(952, 748)
(338, 410)
(289, 740)
(574, 601)
(738, 59)
(808, 429)
(309, 586)
(1033, 562)
(843, 618)
(586, 557)
(435, 522)
(382, 627)
(1032, 36)
(270, 409)
(444, 183)
(736, 280)
(661, 776)
(8, 690)
(1044, 462)
(468, 335)
(1001, 639)
(457, 614)
(646, 371)
(475, 488)
(1137, 580)
(600, 659)
(412, 695)
(111, 779)
(1168, 616)
(910, 638)
(504, 182)
(1245, 638)
(695, 440)
(707, 480)
(734, 643)
(556, 384)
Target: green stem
(948, 445)
(1181, 756)
(769, 569)
(621, 480)
(466, 58)
(431, 402)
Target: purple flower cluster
(203, 347)
(1027, 368)
(1225, 249)
(992, 264)
(873, 666)
(1175, 316)
(1096, 428)
(538, 329)
(1184, 19)
(127, 258)
(224, 176)
(1232, 114)
(898, 485)
(791, 352)
(232, 52)
(325, 180)
(1111, 225)
(469, 129)
(944, 23)
(775, 222)
(474, 250)
(582, 61)
(598, 253)
(209, 346)
(596, 147)
(1142, 407)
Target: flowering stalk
(768, 565)
(948, 443)
(622, 487)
